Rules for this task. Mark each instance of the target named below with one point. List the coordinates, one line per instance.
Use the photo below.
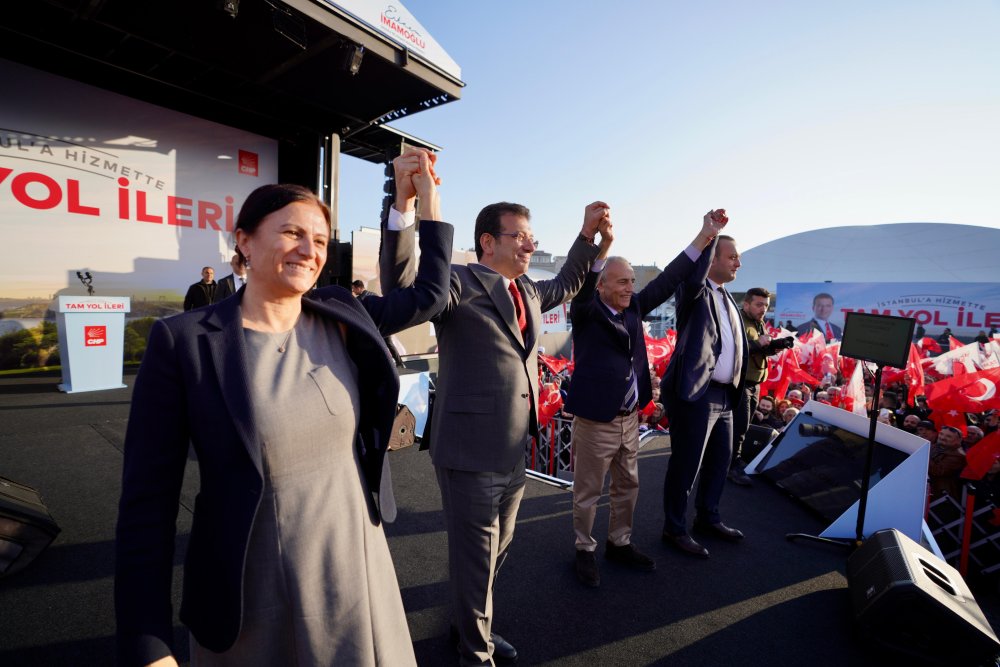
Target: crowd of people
(287, 395)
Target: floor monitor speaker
(908, 600)
(26, 527)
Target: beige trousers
(599, 447)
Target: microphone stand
(859, 533)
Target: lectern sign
(95, 336)
(91, 341)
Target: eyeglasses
(519, 237)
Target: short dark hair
(488, 220)
(756, 291)
(822, 295)
(358, 283)
(723, 237)
(267, 199)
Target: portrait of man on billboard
(822, 310)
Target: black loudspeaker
(909, 600)
(26, 527)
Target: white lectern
(91, 342)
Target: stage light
(351, 56)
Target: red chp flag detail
(95, 336)
(248, 163)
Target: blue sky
(790, 115)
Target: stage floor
(765, 601)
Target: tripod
(859, 533)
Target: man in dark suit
(486, 397)
(610, 381)
(822, 310)
(202, 293)
(232, 283)
(701, 388)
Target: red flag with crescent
(553, 364)
(549, 403)
(968, 392)
(659, 351)
(928, 344)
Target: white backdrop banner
(140, 196)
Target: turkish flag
(549, 403)
(928, 344)
(949, 416)
(914, 375)
(553, 364)
(659, 351)
(847, 366)
(979, 459)
(854, 392)
(954, 343)
(776, 383)
(967, 392)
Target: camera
(815, 430)
(778, 344)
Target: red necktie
(829, 332)
(515, 294)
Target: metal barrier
(551, 454)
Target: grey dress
(319, 586)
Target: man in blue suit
(611, 381)
(701, 388)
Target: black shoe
(503, 650)
(686, 544)
(737, 476)
(629, 556)
(586, 569)
(718, 530)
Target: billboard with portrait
(965, 308)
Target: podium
(91, 342)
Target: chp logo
(95, 336)
(248, 163)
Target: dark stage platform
(763, 602)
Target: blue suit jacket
(698, 342)
(604, 350)
(192, 388)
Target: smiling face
(287, 250)
(616, 284)
(822, 307)
(505, 254)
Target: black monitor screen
(881, 339)
(823, 465)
